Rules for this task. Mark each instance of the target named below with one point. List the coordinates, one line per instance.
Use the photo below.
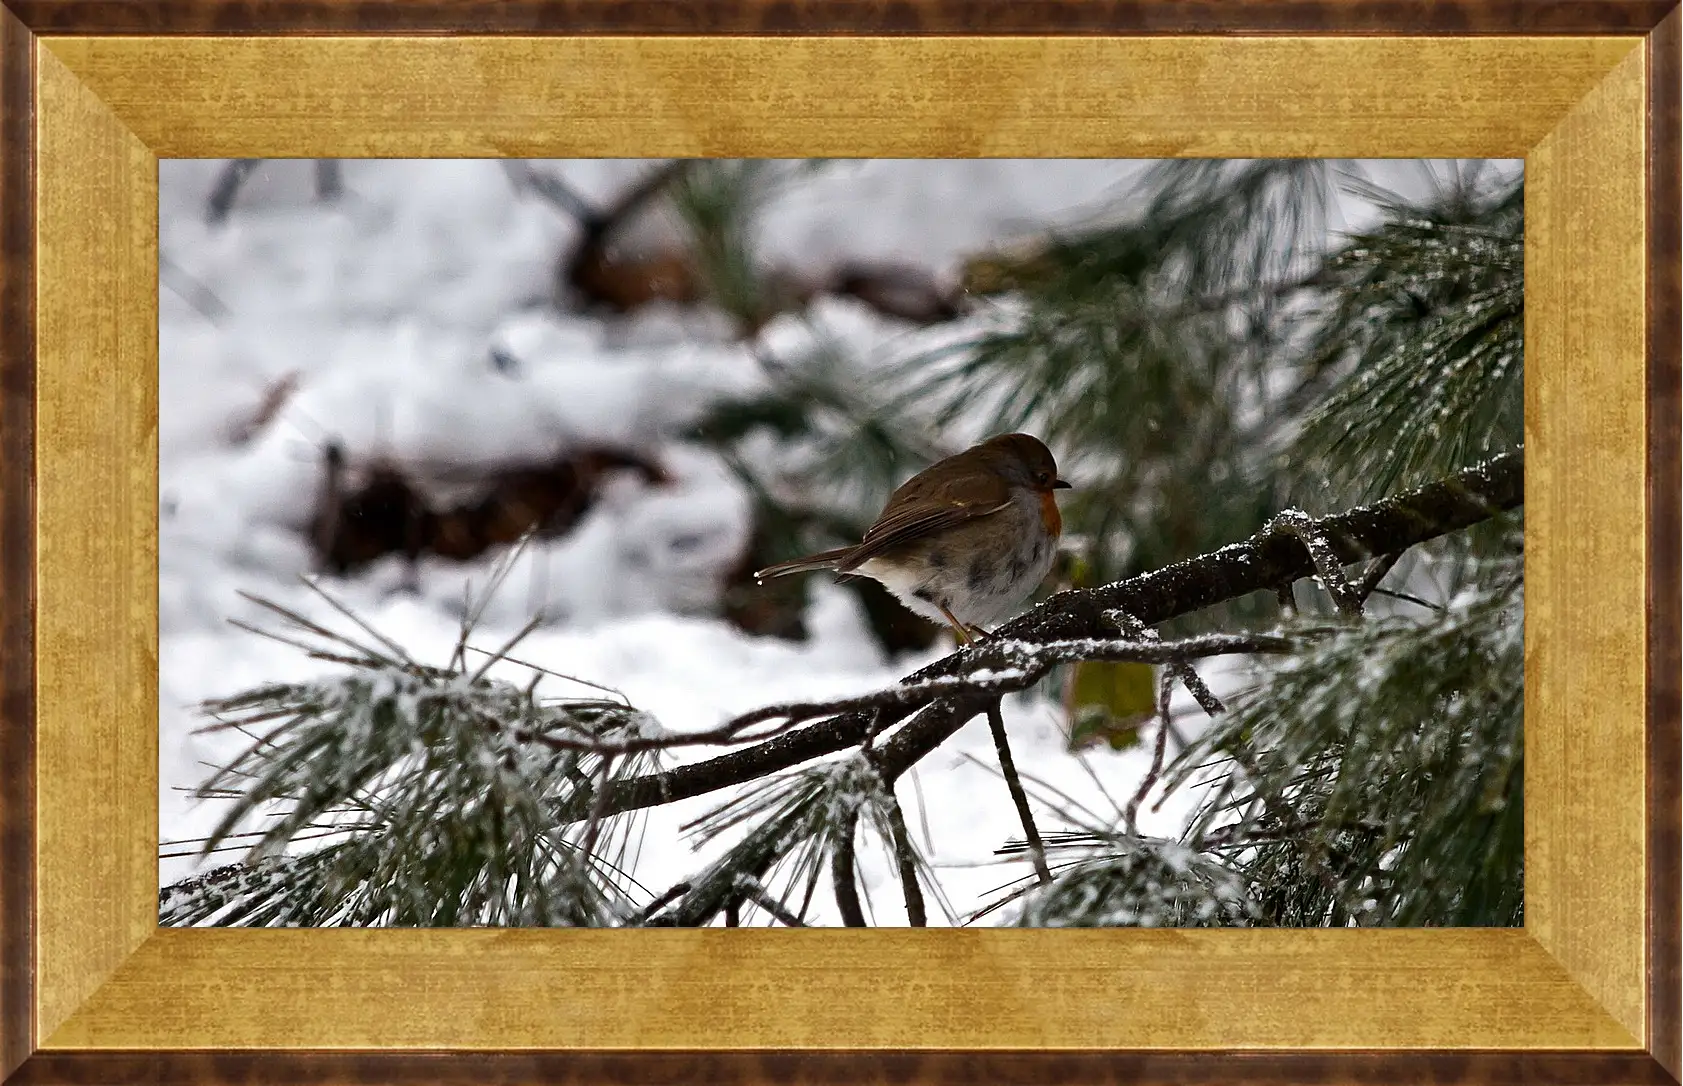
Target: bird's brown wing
(921, 507)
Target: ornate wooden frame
(94, 91)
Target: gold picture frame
(95, 93)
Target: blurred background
(671, 373)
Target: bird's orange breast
(1049, 514)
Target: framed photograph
(1164, 517)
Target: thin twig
(362, 624)
(540, 670)
(841, 867)
(648, 911)
(552, 189)
(227, 188)
(298, 620)
(1008, 768)
(756, 892)
(598, 809)
(200, 853)
(1048, 841)
(1022, 887)
(1406, 598)
(1181, 670)
(201, 298)
(1130, 814)
(500, 569)
(922, 812)
(492, 658)
(1376, 572)
(907, 859)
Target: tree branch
(841, 870)
(907, 861)
(755, 891)
(1309, 532)
(1260, 563)
(994, 667)
(1008, 770)
(1375, 573)
(1181, 670)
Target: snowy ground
(387, 305)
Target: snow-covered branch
(994, 668)
(1261, 563)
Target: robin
(965, 540)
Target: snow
(412, 316)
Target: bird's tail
(821, 560)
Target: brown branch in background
(896, 290)
(275, 397)
(842, 871)
(624, 283)
(1254, 565)
(1008, 770)
(1034, 262)
(388, 511)
(907, 859)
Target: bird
(965, 541)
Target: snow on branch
(1071, 622)
(991, 667)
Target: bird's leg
(978, 633)
(963, 631)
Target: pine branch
(906, 860)
(1008, 770)
(1328, 569)
(992, 667)
(755, 891)
(843, 870)
(1258, 564)
(795, 821)
(1396, 799)
(1188, 677)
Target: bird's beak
(1061, 485)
